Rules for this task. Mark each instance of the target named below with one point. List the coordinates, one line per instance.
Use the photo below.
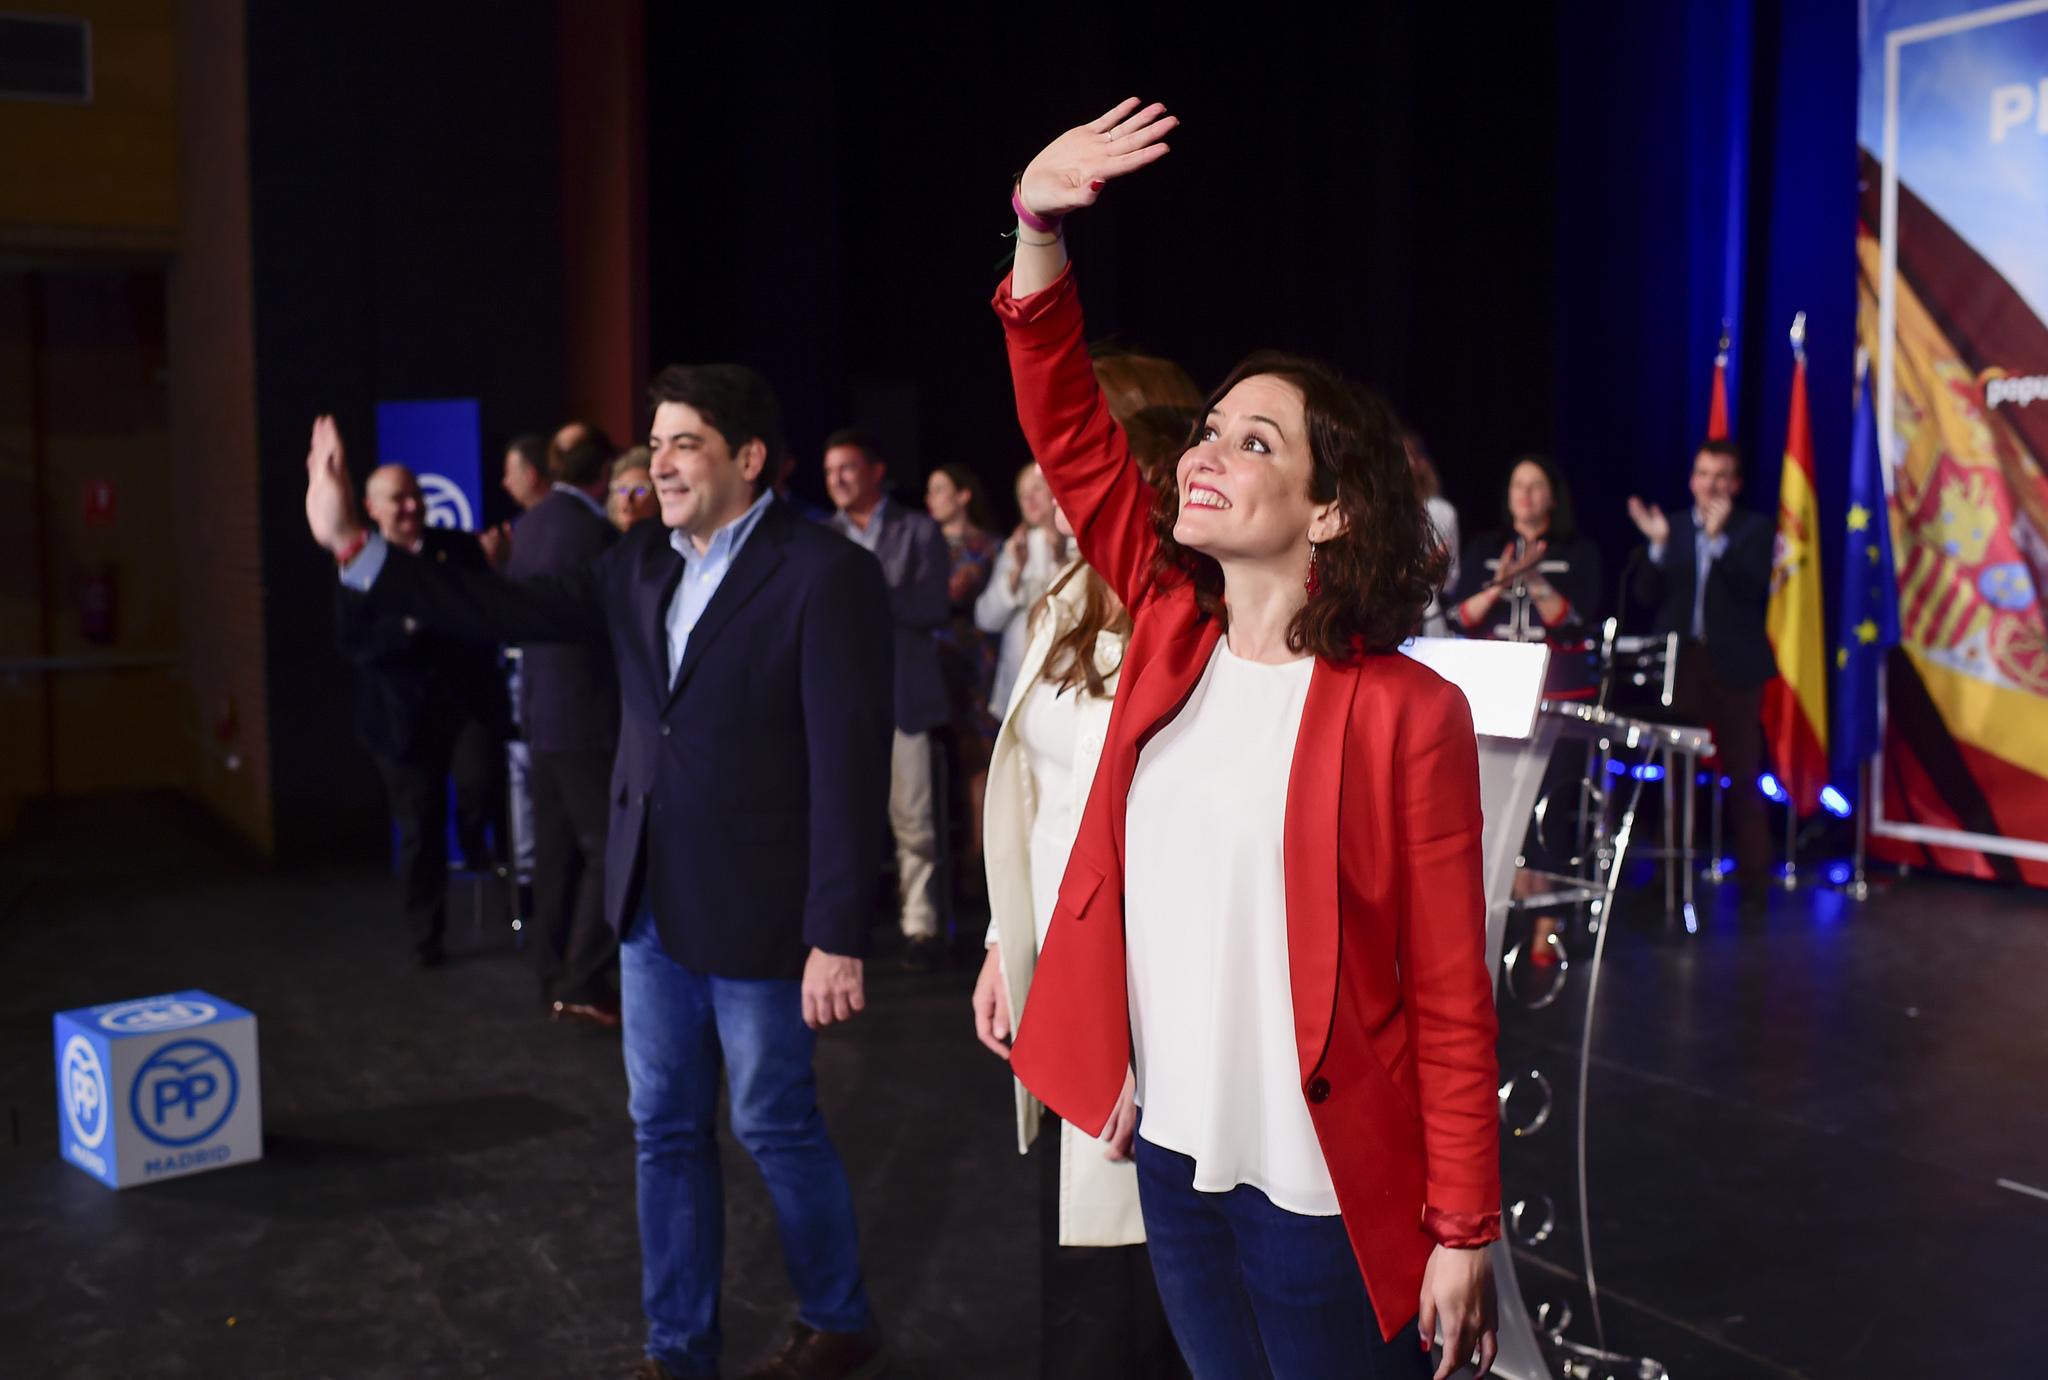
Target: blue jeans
(679, 1028)
(1254, 1292)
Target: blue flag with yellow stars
(1870, 602)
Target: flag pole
(1791, 842)
(1859, 885)
(1791, 794)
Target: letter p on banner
(2011, 107)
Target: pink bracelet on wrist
(1030, 220)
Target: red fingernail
(1096, 185)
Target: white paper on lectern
(1502, 681)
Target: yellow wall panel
(110, 164)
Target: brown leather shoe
(605, 1015)
(813, 1355)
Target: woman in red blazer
(1291, 558)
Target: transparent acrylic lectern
(1518, 731)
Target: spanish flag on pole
(1796, 703)
(1717, 401)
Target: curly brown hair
(1155, 402)
(1377, 576)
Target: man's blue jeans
(1255, 1292)
(679, 1028)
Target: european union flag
(1870, 601)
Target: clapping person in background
(1708, 576)
(1099, 1316)
(1024, 569)
(1534, 578)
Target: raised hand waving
(1071, 171)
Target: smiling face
(698, 480)
(1244, 484)
(1530, 500)
(852, 480)
(392, 500)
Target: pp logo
(184, 1092)
(447, 504)
(85, 1092)
(157, 1014)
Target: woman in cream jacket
(1101, 1313)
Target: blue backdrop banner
(441, 441)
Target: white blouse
(1205, 925)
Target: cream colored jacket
(1098, 1197)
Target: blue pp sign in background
(442, 443)
(157, 1087)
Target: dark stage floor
(1799, 1131)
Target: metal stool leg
(1715, 871)
(1672, 859)
(1688, 795)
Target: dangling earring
(1314, 583)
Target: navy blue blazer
(749, 800)
(917, 566)
(1738, 588)
(568, 691)
(418, 682)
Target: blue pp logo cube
(157, 1088)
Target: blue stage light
(1839, 874)
(1615, 768)
(1832, 799)
(1768, 784)
(1649, 771)
(1726, 782)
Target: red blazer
(1386, 918)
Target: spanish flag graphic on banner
(1796, 703)
(1965, 756)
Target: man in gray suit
(915, 563)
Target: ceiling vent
(45, 58)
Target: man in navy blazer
(747, 817)
(916, 564)
(1708, 576)
(569, 716)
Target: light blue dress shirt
(702, 575)
(361, 572)
(1705, 553)
(867, 536)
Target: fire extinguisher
(98, 601)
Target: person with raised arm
(1265, 964)
(748, 808)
